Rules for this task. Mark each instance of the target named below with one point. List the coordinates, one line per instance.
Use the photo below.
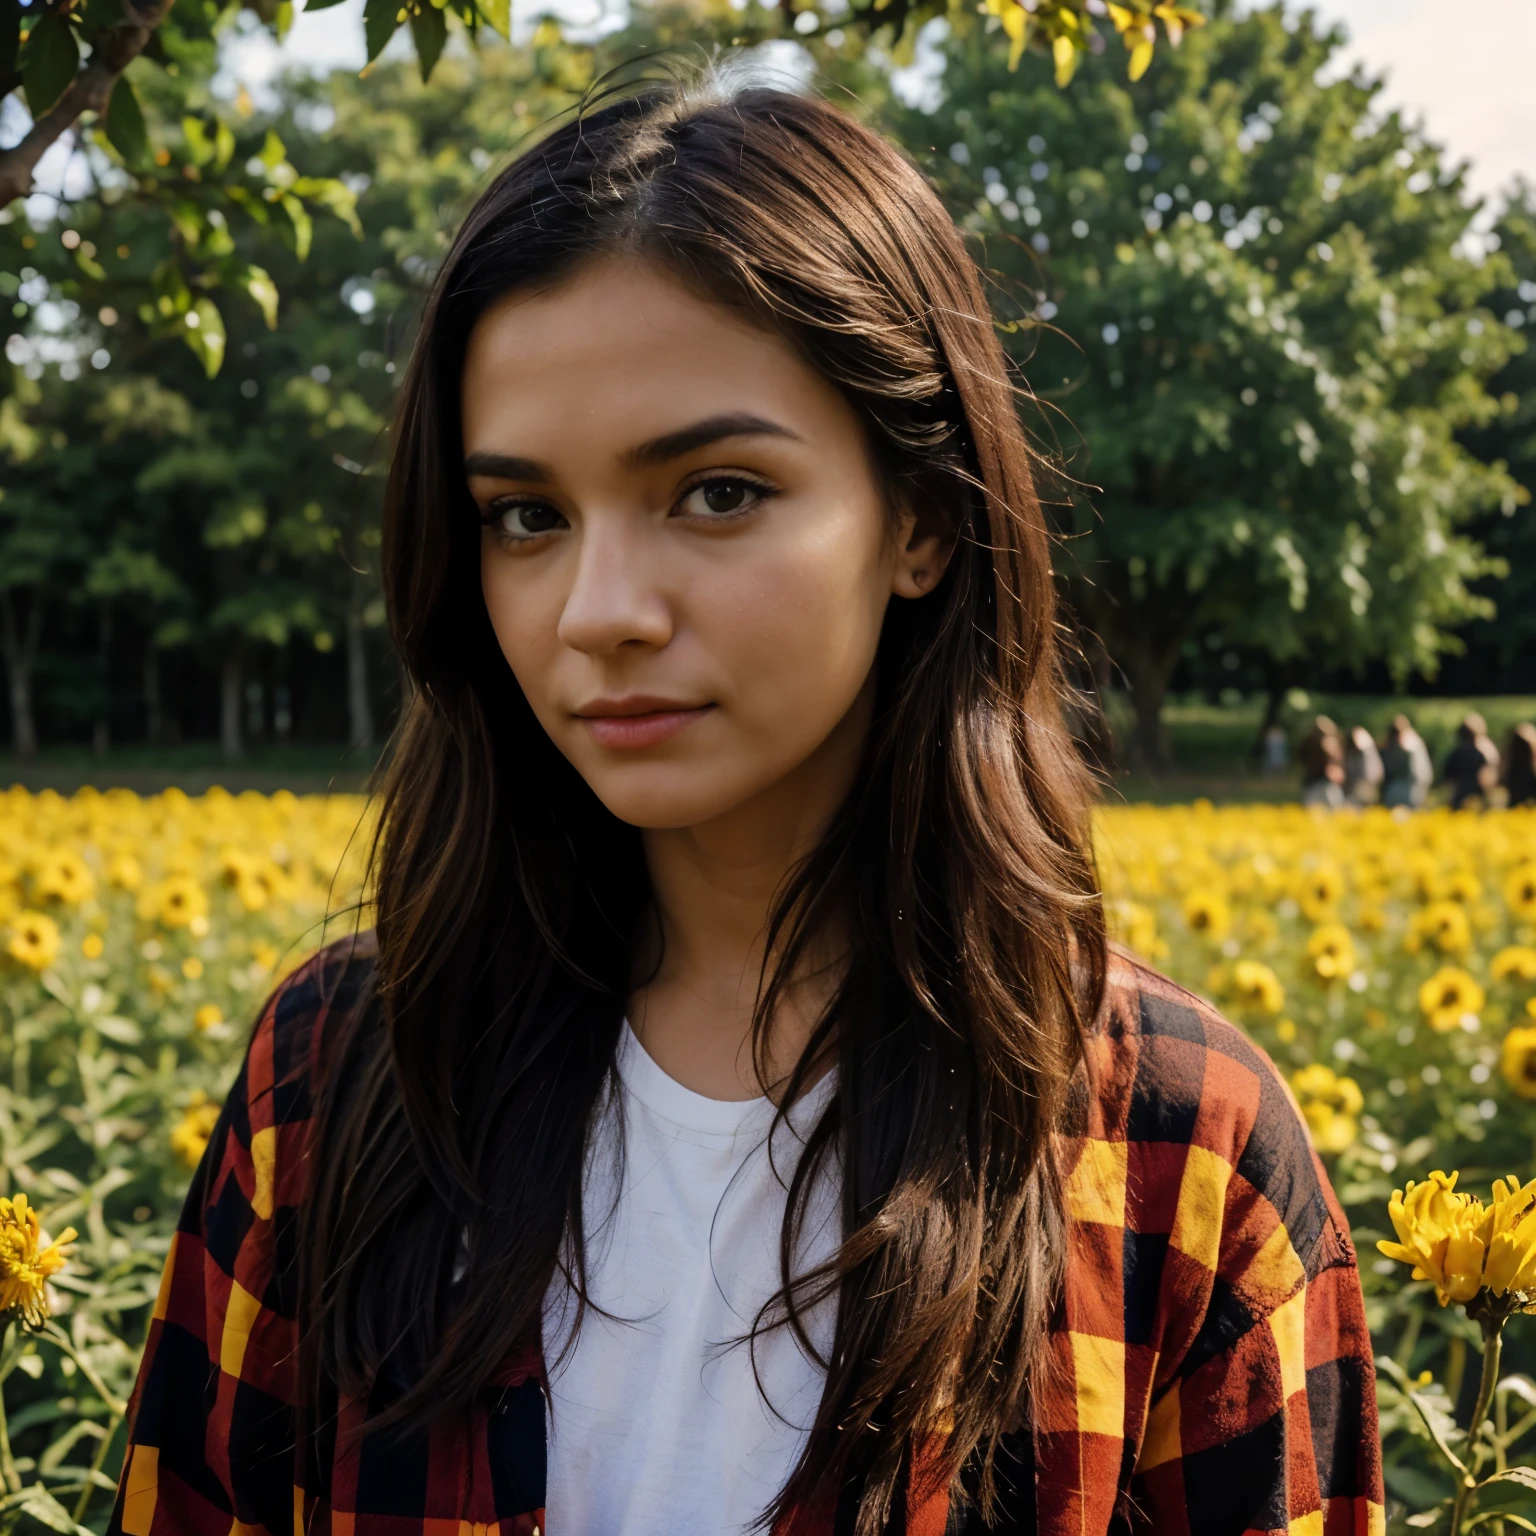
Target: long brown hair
(508, 899)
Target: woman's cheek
(799, 640)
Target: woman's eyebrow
(655, 450)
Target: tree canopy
(1243, 297)
(1281, 404)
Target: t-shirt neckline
(661, 1093)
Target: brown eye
(723, 496)
(524, 519)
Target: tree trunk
(231, 701)
(19, 644)
(359, 709)
(1147, 674)
(154, 718)
(101, 729)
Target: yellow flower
(1520, 892)
(1443, 924)
(1518, 961)
(192, 968)
(34, 940)
(92, 946)
(1320, 891)
(180, 901)
(1259, 927)
(1286, 1030)
(1255, 986)
(27, 1260)
(208, 1015)
(189, 1138)
(125, 872)
(1331, 951)
(1449, 998)
(1463, 886)
(1519, 1060)
(1440, 1234)
(1510, 1233)
(265, 954)
(1373, 918)
(66, 878)
(1208, 914)
(253, 891)
(1330, 1104)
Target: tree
(1243, 301)
(1507, 641)
(106, 77)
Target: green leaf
(126, 132)
(380, 20)
(203, 330)
(199, 145)
(319, 5)
(498, 15)
(273, 151)
(303, 225)
(264, 291)
(49, 59)
(44, 1508)
(283, 21)
(223, 145)
(429, 27)
(1524, 1476)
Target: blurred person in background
(1274, 751)
(1322, 765)
(1362, 768)
(1519, 778)
(1472, 766)
(1405, 766)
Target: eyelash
(762, 491)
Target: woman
(1519, 776)
(737, 1121)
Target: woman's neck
(714, 887)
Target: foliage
(88, 75)
(1388, 965)
(136, 940)
(1246, 290)
(1509, 533)
(202, 207)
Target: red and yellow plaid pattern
(1210, 1369)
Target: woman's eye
(523, 519)
(721, 497)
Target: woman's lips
(631, 731)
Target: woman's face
(687, 554)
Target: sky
(1462, 66)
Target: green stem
(7, 1462)
(1493, 1343)
(96, 1461)
(52, 1331)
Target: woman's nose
(613, 600)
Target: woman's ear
(923, 547)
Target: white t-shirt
(657, 1424)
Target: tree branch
(114, 49)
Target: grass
(1212, 752)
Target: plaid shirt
(1211, 1365)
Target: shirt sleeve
(211, 1421)
(1212, 1372)
(1262, 1413)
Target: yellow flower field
(1388, 966)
